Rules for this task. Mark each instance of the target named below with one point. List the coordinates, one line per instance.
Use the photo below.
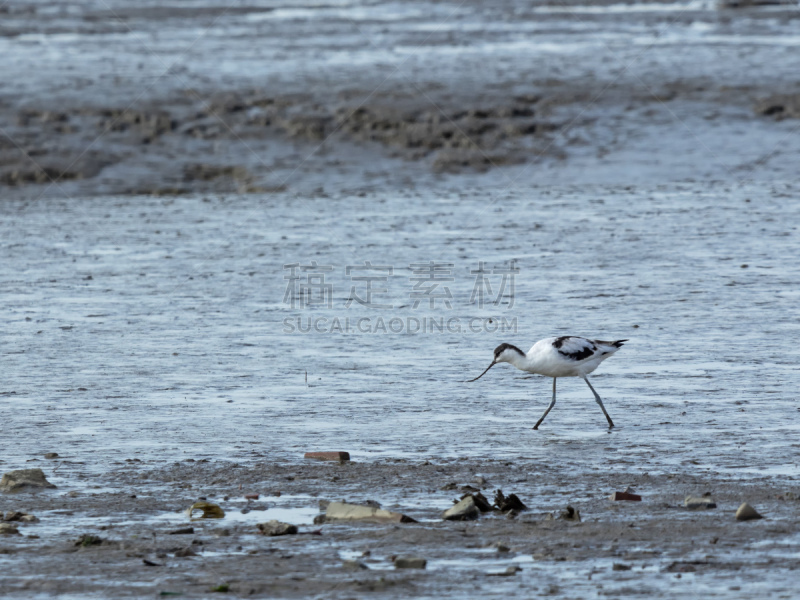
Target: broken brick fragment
(340, 456)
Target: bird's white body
(565, 356)
(562, 356)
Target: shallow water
(111, 50)
(152, 328)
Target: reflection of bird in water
(566, 356)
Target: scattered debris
(747, 513)
(685, 566)
(24, 478)
(150, 563)
(20, 516)
(224, 588)
(210, 511)
(410, 562)
(464, 510)
(340, 456)
(341, 511)
(449, 487)
(354, 565)
(505, 503)
(695, 502)
(621, 567)
(510, 571)
(570, 514)
(275, 528)
(185, 552)
(7, 529)
(620, 496)
(501, 547)
(182, 531)
(87, 540)
(51, 455)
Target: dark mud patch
(781, 106)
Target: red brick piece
(616, 496)
(328, 455)
(251, 496)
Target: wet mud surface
(162, 166)
(103, 97)
(653, 548)
(147, 345)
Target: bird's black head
(502, 353)
(503, 348)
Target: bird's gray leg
(552, 404)
(600, 402)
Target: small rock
(24, 478)
(342, 511)
(340, 456)
(570, 514)
(8, 529)
(500, 547)
(185, 552)
(448, 487)
(747, 513)
(150, 563)
(621, 567)
(51, 455)
(695, 502)
(619, 496)
(410, 562)
(274, 528)
(354, 565)
(182, 531)
(20, 516)
(505, 503)
(251, 496)
(465, 510)
(29, 519)
(479, 480)
(480, 501)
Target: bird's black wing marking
(574, 348)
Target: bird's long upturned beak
(482, 374)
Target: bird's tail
(617, 344)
